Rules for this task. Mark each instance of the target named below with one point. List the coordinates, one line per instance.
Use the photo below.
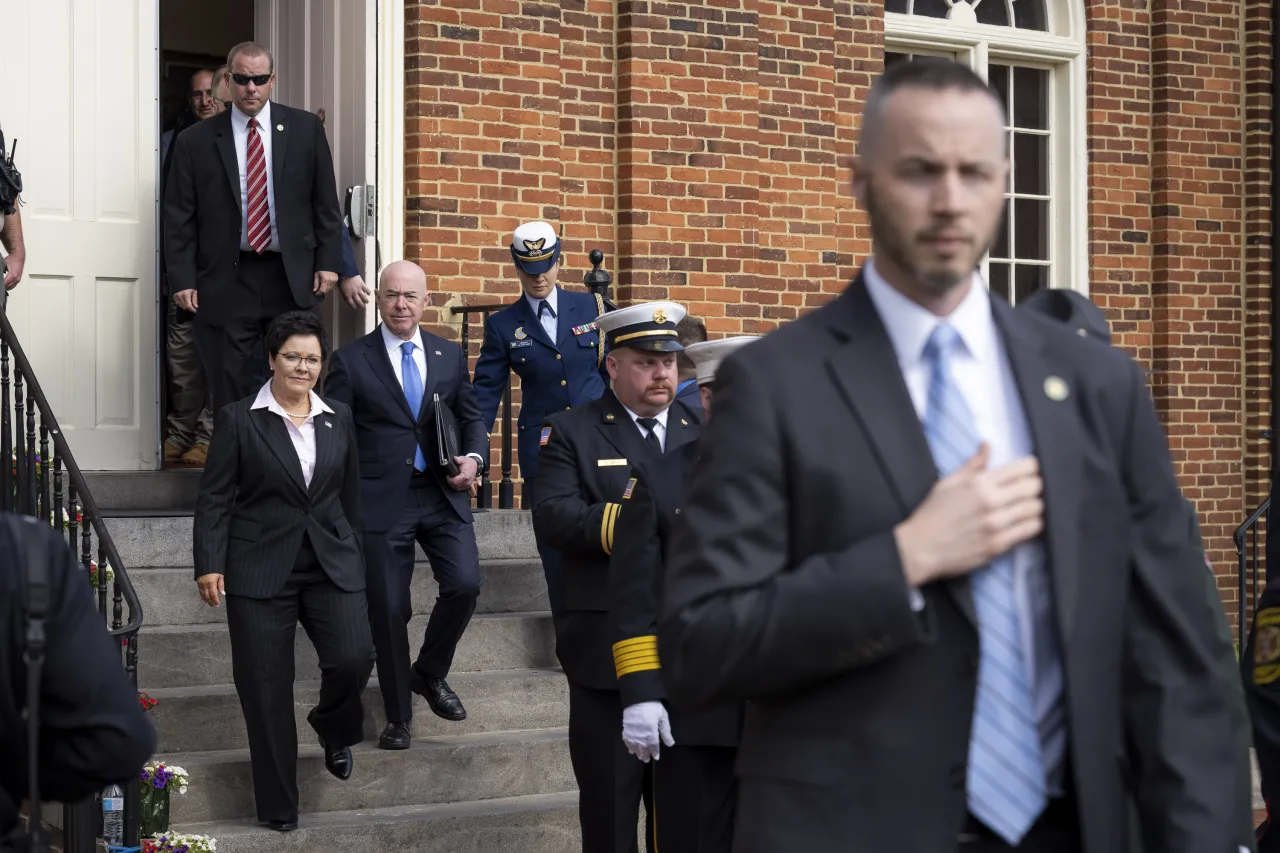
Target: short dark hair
(690, 330)
(920, 72)
(296, 323)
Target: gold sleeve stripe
(606, 526)
(637, 654)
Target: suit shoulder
(506, 314)
(576, 418)
(585, 300)
(284, 112)
(347, 350)
(444, 346)
(340, 409)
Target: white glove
(642, 726)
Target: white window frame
(1062, 51)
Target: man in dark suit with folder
(393, 379)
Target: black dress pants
(450, 545)
(611, 781)
(262, 664)
(693, 799)
(235, 360)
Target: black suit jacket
(254, 506)
(785, 589)
(202, 212)
(361, 376)
(583, 467)
(92, 731)
(650, 505)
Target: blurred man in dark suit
(390, 378)
(252, 223)
(952, 580)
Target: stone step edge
(221, 627)
(423, 744)
(205, 690)
(496, 562)
(399, 814)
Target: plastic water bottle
(113, 816)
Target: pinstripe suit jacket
(254, 505)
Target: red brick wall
(704, 145)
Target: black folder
(447, 444)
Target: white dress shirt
(304, 436)
(660, 427)
(981, 370)
(240, 132)
(393, 344)
(548, 322)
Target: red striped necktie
(259, 216)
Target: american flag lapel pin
(329, 424)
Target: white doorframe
(390, 109)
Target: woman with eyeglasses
(276, 534)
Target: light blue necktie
(1006, 773)
(412, 393)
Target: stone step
(122, 492)
(160, 541)
(539, 823)
(435, 770)
(200, 655)
(169, 596)
(195, 719)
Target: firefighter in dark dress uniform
(583, 468)
(692, 778)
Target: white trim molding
(1062, 51)
(390, 110)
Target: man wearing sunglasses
(252, 223)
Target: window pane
(998, 77)
(890, 58)
(899, 6)
(931, 8)
(1000, 248)
(1030, 164)
(1027, 279)
(993, 12)
(1031, 98)
(1030, 15)
(999, 279)
(1031, 229)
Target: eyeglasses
(246, 79)
(291, 360)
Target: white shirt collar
(392, 342)
(267, 400)
(240, 121)
(909, 324)
(553, 299)
(661, 416)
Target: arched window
(1033, 54)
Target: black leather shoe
(394, 736)
(443, 701)
(282, 825)
(337, 760)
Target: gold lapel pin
(609, 417)
(437, 352)
(1055, 388)
(279, 127)
(683, 422)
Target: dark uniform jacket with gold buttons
(554, 375)
(642, 539)
(586, 458)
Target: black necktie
(651, 440)
(543, 307)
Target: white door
(78, 88)
(326, 57)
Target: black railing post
(42, 480)
(79, 827)
(20, 462)
(598, 280)
(506, 488)
(6, 435)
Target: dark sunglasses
(256, 79)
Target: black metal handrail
(507, 486)
(32, 484)
(1247, 556)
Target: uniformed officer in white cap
(693, 783)
(582, 479)
(548, 337)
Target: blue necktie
(1006, 772)
(412, 393)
